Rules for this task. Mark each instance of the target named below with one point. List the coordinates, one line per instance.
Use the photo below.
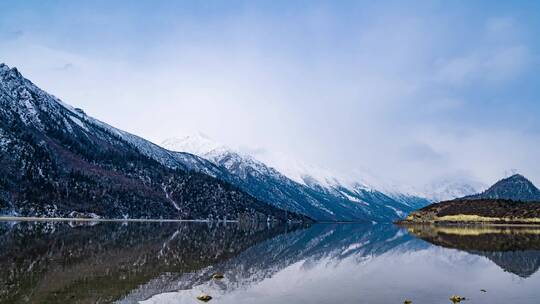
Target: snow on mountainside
(299, 172)
(175, 160)
(351, 188)
(311, 175)
(198, 144)
(317, 177)
(301, 188)
(55, 161)
(30, 115)
(450, 189)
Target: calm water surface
(46, 262)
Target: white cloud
(492, 66)
(498, 56)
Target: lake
(62, 262)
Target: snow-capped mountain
(317, 177)
(57, 161)
(300, 188)
(448, 189)
(363, 182)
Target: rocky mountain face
(515, 188)
(56, 161)
(325, 199)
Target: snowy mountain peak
(221, 155)
(201, 145)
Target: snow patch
(78, 122)
(198, 144)
(398, 212)
(168, 196)
(353, 199)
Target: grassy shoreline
(461, 220)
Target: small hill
(516, 188)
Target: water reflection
(57, 262)
(514, 249)
(342, 263)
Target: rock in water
(204, 297)
(457, 299)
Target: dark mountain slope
(56, 160)
(515, 188)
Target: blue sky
(411, 91)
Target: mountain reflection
(55, 262)
(514, 249)
(332, 242)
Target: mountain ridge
(57, 161)
(308, 175)
(322, 199)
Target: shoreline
(67, 219)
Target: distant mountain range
(321, 197)
(438, 190)
(313, 191)
(56, 161)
